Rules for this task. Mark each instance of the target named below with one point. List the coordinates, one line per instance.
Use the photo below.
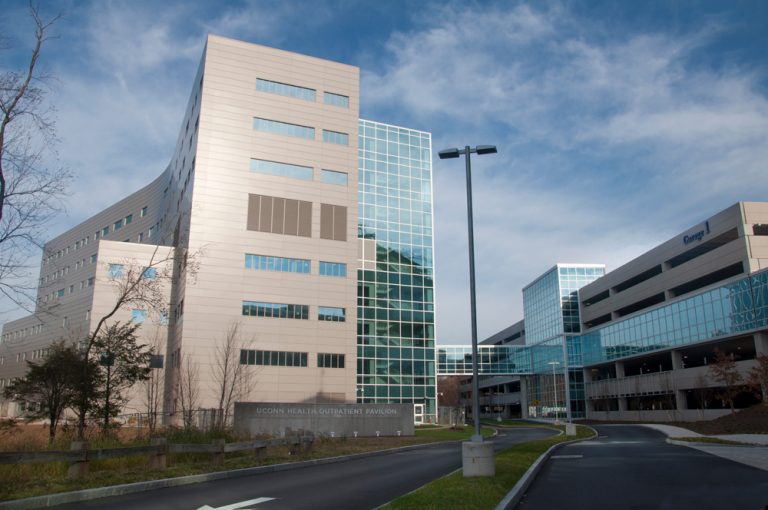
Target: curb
(513, 497)
(130, 488)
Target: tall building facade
(278, 208)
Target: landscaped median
(456, 492)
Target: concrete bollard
(217, 458)
(570, 429)
(159, 459)
(79, 468)
(477, 459)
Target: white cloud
(609, 143)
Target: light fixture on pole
(554, 385)
(449, 154)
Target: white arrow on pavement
(236, 506)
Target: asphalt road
(355, 484)
(632, 468)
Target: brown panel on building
(326, 221)
(278, 215)
(339, 223)
(265, 214)
(305, 219)
(253, 212)
(291, 217)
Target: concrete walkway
(754, 453)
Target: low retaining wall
(334, 420)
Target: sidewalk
(754, 454)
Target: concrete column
(619, 369)
(680, 400)
(677, 360)
(524, 397)
(761, 343)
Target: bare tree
(231, 378)
(449, 393)
(724, 371)
(30, 190)
(758, 377)
(154, 384)
(187, 390)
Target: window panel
(261, 166)
(283, 128)
(333, 177)
(336, 99)
(285, 89)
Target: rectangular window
(138, 316)
(279, 215)
(150, 273)
(90, 281)
(333, 222)
(282, 169)
(141, 237)
(60, 293)
(97, 235)
(150, 232)
(325, 360)
(118, 225)
(284, 89)
(335, 137)
(143, 211)
(104, 231)
(279, 264)
(283, 128)
(331, 313)
(275, 310)
(128, 219)
(333, 177)
(333, 269)
(115, 271)
(93, 258)
(273, 358)
(336, 99)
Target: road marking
(567, 457)
(236, 506)
(609, 443)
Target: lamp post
(449, 154)
(554, 385)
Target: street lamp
(554, 385)
(450, 154)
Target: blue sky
(619, 124)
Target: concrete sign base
(477, 459)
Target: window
(333, 269)
(143, 211)
(163, 317)
(330, 313)
(283, 128)
(284, 89)
(336, 99)
(275, 310)
(279, 215)
(273, 358)
(282, 169)
(330, 360)
(60, 293)
(90, 281)
(333, 177)
(104, 231)
(150, 232)
(333, 222)
(97, 235)
(149, 273)
(138, 316)
(128, 219)
(93, 258)
(71, 289)
(141, 237)
(115, 271)
(335, 137)
(280, 264)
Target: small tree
(449, 395)
(231, 378)
(123, 363)
(50, 386)
(757, 377)
(724, 371)
(154, 384)
(187, 390)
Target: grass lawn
(456, 492)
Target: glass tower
(395, 292)
(552, 321)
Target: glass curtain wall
(396, 323)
